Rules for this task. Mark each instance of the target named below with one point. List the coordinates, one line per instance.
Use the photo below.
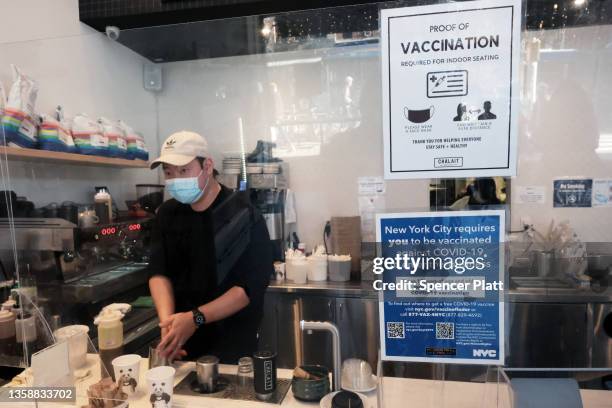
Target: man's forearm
(161, 291)
(226, 305)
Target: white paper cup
(160, 381)
(279, 271)
(77, 338)
(127, 370)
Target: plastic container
(104, 206)
(150, 196)
(110, 336)
(317, 268)
(297, 270)
(25, 330)
(244, 378)
(110, 341)
(77, 338)
(8, 339)
(339, 268)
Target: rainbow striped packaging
(55, 135)
(117, 142)
(20, 130)
(136, 148)
(89, 136)
(140, 151)
(18, 119)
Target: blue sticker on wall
(572, 193)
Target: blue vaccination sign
(440, 277)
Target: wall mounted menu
(450, 89)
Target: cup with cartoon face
(127, 370)
(160, 381)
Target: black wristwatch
(198, 318)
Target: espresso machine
(77, 271)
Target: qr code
(395, 330)
(445, 331)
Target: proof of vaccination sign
(450, 89)
(440, 278)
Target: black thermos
(264, 367)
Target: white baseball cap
(181, 148)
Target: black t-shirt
(183, 249)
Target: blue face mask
(186, 190)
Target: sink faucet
(330, 327)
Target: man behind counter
(197, 315)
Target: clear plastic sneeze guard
(483, 125)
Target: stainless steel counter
(326, 288)
(547, 327)
(558, 296)
(364, 290)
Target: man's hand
(178, 328)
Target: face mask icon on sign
(419, 116)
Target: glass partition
(76, 206)
(291, 106)
(304, 90)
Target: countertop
(361, 289)
(395, 391)
(365, 290)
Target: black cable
(326, 232)
(4, 274)
(324, 241)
